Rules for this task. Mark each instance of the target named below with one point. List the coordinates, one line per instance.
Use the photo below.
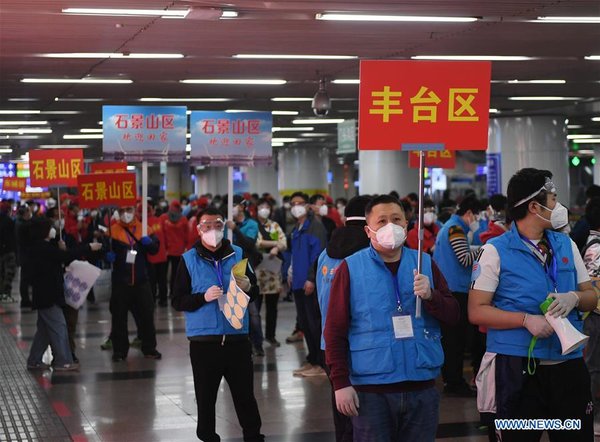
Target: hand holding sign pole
(423, 106)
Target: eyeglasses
(205, 226)
(548, 187)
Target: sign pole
(420, 221)
(59, 205)
(144, 198)
(230, 199)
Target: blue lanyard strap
(397, 291)
(219, 270)
(552, 269)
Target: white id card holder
(403, 328)
(131, 254)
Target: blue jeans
(51, 330)
(405, 417)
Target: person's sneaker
(136, 343)
(274, 342)
(296, 336)
(107, 345)
(302, 369)
(118, 358)
(315, 370)
(258, 351)
(153, 355)
(460, 390)
(67, 367)
(38, 366)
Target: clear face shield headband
(548, 187)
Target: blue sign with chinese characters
(144, 133)
(494, 173)
(231, 139)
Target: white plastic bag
(80, 276)
(103, 286)
(486, 384)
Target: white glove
(422, 287)
(243, 282)
(538, 326)
(346, 401)
(213, 293)
(563, 303)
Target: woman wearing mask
(272, 241)
(430, 230)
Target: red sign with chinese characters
(35, 195)
(56, 167)
(11, 184)
(108, 167)
(106, 189)
(444, 159)
(404, 103)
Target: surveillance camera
(321, 103)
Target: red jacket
(176, 235)
(494, 230)
(155, 227)
(429, 235)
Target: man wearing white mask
(217, 349)
(514, 274)
(319, 207)
(454, 257)
(383, 359)
(429, 232)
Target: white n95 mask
(391, 236)
(213, 237)
(559, 216)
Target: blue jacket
(307, 245)
(457, 275)
(523, 286)
(483, 227)
(209, 320)
(249, 228)
(376, 356)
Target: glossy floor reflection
(147, 400)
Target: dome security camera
(321, 103)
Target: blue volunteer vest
(208, 319)
(326, 268)
(457, 276)
(523, 286)
(376, 356)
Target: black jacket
(7, 234)
(23, 236)
(346, 241)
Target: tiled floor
(146, 400)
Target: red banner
(11, 184)
(108, 167)
(445, 159)
(404, 103)
(55, 167)
(34, 195)
(106, 189)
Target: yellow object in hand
(239, 270)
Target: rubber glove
(563, 303)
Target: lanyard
(129, 236)
(397, 286)
(552, 269)
(219, 270)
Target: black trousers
(25, 283)
(271, 301)
(455, 340)
(309, 319)
(559, 391)
(71, 317)
(157, 273)
(212, 361)
(173, 261)
(137, 298)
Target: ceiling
(29, 28)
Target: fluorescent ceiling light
(574, 126)
(229, 14)
(184, 100)
(23, 99)
(65, 112)
(402, 18)
(18, 111)
(22, 131)
(544, 98)
(317, 135)
(78, 99)
(63, 146)
(473, 57)
(130, 167)
(76, 80)
(188, 147)
(234, 81)
(177, 13)
(284, 112)
(188, 135)
(23, 123)
(347, 81)
(568, 20)
(595, 118)
(82, 137)
(592, 57)
(239, 111)
(291, 99)
(100, 123)
(494, 111)
(7, 150)
(292, 129)
(108, 55)
(295, 57)
(277, 144)
(535, 81)
(90, 131)
(580, 136)
(588, 141)
(286, 140)
(320, 121)
(22, 137)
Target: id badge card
(130, 258)
(403, 328)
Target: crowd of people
(380, 330)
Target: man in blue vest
(216, 348)
(513, 275)
(454, 257)
(384, 360)
(344, 242)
